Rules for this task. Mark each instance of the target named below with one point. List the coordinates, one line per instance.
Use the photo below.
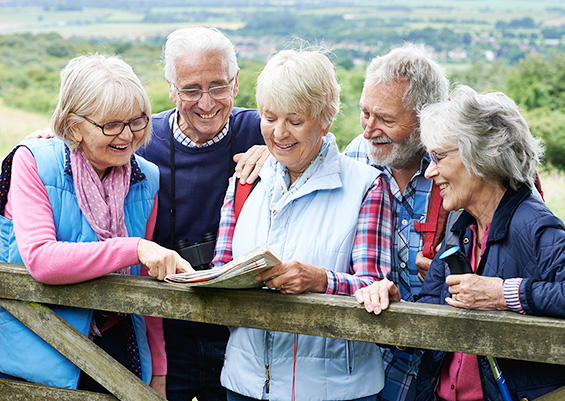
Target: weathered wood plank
(80, 350)
(500, 334)
(21, 391)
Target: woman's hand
(470, 291)
(159, 384)
(378, 295)
(161, 261)
(249, 164)
(294, 277)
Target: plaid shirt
(410, 206)
(371, 255)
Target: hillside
(16, 124)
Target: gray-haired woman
(484, 161)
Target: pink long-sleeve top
(57, 262)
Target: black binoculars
(199, 254)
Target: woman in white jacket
(328, 217)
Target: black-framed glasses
(215, 92)
(436, 157)
(114, 128)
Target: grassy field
(17, 124)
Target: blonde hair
(97, 84)
(300, 81)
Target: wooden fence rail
(494, 333)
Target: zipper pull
(268, 379)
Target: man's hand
(249, 164)
(294, 277)
(161, 261)
(423, 264)
(41, 133)
(377, 296)
(470, 291)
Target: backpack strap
(537, 185)
(5, 178)
(434, 227)
(241, 192)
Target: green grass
(16, 125)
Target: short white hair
(410, 63)
(184, 42)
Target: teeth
(119, 147)
(443, 186)
(285, 146)
(208, 116)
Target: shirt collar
(181, 138)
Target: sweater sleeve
(48, 260)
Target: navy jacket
(525, 240)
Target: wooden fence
(494, 333)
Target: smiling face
(202, 120)
(458, 187)
(293, 139)
(103, 151)
(389, 127)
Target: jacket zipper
(267, 378)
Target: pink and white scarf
(101, 201)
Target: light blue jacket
(317, 225)
(24, 354)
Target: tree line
(30, 66)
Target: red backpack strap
(538, 185)
(241, 192)
(433, 228)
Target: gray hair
(300, 81)
(493, 138)
(97, 84)
(427, 82)
(184, 42)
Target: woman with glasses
(81, 205)
(484, 161)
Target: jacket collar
(326, 177)
(502, 216)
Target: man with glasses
(193, 145)
(396, 87)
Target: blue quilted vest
(23, 353)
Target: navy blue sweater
(201, 175)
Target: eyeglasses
(114, 128)
(216, 92)
(436, 157)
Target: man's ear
(236, 85)
(172, 92)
